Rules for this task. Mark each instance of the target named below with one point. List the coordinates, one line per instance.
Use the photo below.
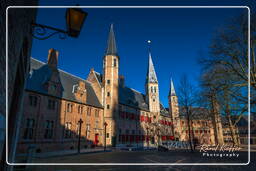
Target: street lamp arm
(40, 32)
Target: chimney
(121, 81)
(53, 58)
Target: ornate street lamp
(105, 131)
(74, 21)
(147, 138)
(79, 136)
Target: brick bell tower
(110, 86)
(174, 111)
(151, 87)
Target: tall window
(48, 129)
(96, 124)
(77, 129)
(89, 109)
(96, 113)
(29, 130)
(114, 62)
(68, 132)
(32, 100)
(80, 109)
(51, 104)
(155, 89)
(87, 130)
(70, 107)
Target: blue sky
(178, 38)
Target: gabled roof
(151, 74)
(111, 46)
(40, 73)
(98, 77)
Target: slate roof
(40, 73)
(172, 90)
(151, 73)
(111, 46)
(131, 97)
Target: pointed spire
(151, 75)
(111, 46)
(172, 90)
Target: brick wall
(60, 115)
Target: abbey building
(61, 109)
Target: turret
(151, 87)
(110, 83)
(174, 110)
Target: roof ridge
(63, 71)
(97, 72)
(135, 90)
(37, 60)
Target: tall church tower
(110, 85)
(174, 111)
(151, 87)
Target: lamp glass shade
(75, 18)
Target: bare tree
(187, 100)
(225, 72)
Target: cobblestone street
(143, 157)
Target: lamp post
(147, 138)
(158, 136)
(79, 138)
(105, 132)
(75, 18)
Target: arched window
(114, 62)
(151, 89)
(155, 89)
